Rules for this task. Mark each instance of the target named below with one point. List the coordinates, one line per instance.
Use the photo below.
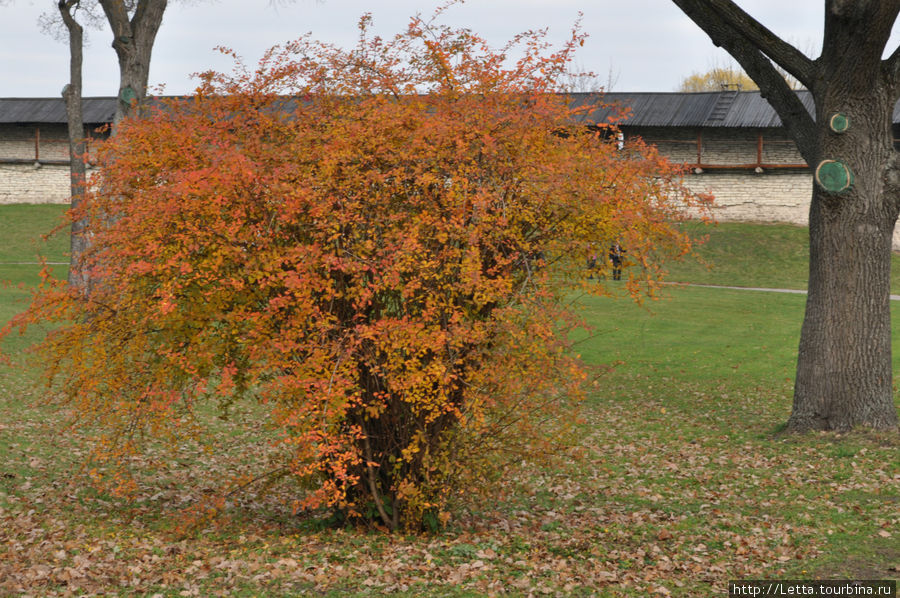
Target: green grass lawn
(754, 255)
(683, 483)
(23, 229)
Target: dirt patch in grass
(881, 562)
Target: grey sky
(647, 45)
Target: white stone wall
(23, 183)
(18, 141)
(774, 195)
(743, 195)
(721, 146)
(27, 182)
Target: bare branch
(117, 15)
(789, 58)
(757, 63)
(86, 12)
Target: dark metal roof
(744, 109)
(704, 109)
(53, 110)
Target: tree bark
(844, 368)
(77, 145)
(844, 365)
(133, 42)
(844, 376)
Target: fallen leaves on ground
(668, 507)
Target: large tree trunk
(77, 146)
(133, 42)
(844, 367)
(844, 364)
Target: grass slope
(22, 244)
(754, 255)
(22, 227)
(683, 483)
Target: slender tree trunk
(844, 367)
(77, 145)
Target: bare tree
(580, 80)
(727, 75)
(844, 376)
(134, 25)
(717, 79)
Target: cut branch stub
(839, 123)
(127, 94)
(834, 176)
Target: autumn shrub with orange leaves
(378, 246)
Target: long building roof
(736, 109)
(53, 110)
(745, 109)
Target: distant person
(592, 261)
(615, 256)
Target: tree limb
(146, 20)
(147, 12)
(373, 486)
(117, 15)
(745, 47)
(892, 69)
(779, 51)
(148, 17)
(133, 42)
(863, 27)
(892, 62)
(798, 121)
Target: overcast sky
(645, 45)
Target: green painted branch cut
(839, 123)
(128, 94)
(834, 176)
